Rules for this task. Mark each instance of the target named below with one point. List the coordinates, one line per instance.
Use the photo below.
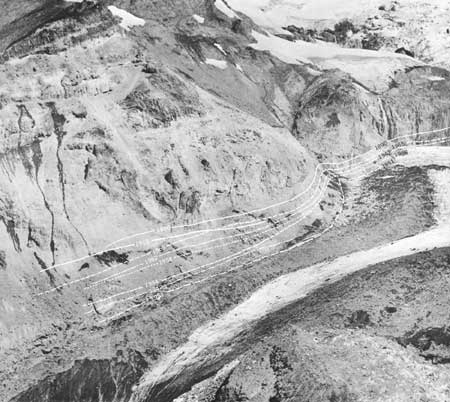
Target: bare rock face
(338, 115)
(160, 100)
(23, 25)
(106, 132)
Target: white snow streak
(199, 19)
(275, 14)
(225, 9)
(441, 181)
(222, 64)
(128, 20)
(218, 46)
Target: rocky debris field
(348, 342)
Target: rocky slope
(116, 140)
(348, 343)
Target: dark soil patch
(432, 343)
(111, 257)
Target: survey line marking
(234, 216)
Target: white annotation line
(135, 268)
(252, 223)
(101, 301)
(215, 264)
(253, 262)
(259, 232)
(234, 216)
(233, 227)
(109, 268)
(141, 287)
(226, 259)
(264, 257)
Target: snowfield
(417, 25)
(372, 68)
(275, 14)
(293, 52)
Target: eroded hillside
(160, 162)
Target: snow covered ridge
(441, 180)
(128, 20)
(435, 78)
(218, 46)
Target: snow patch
(220, 5)
(199, 19)
(441, 181)
(220, 48)
(128, 20)
(222, 64)
(435, 78)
